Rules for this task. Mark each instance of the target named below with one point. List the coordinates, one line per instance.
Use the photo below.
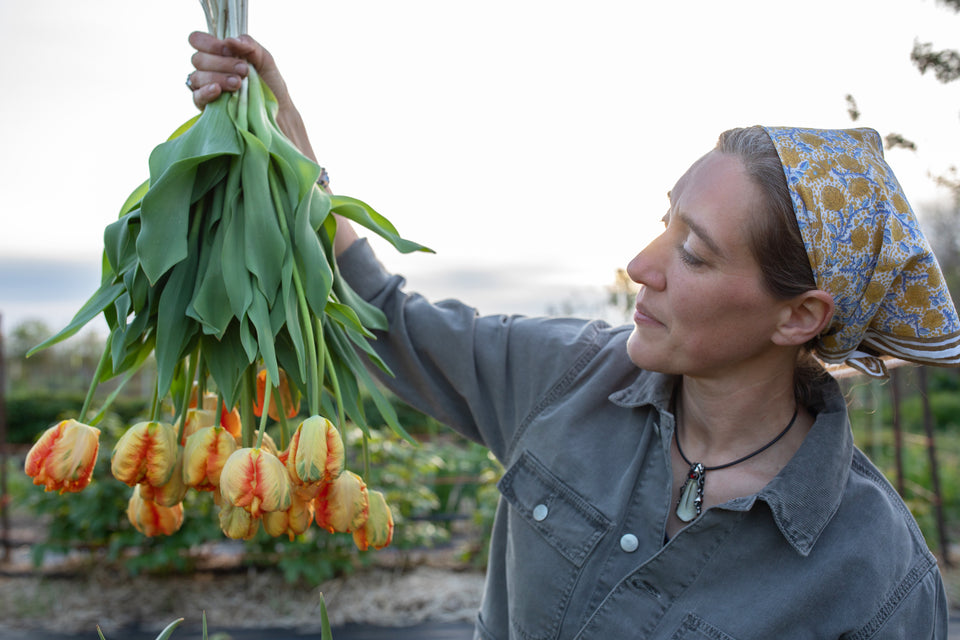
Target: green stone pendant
(691, 496)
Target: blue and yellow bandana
(867, 250)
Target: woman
(694, 475)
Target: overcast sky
(530, 142)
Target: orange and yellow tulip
(289, 397)
(229, 419)
(197, 419)
(204, 456)
(147, 453)
(237, 523)
(64, 457)
(170, 494)
(316, 452)
(152, 519)
(255, 480)
(377, 531)
(342, 505)
(293, 521)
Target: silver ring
(189, 81)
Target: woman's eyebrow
(701, 233)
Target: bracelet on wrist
(324, 180)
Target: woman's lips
(642, 316)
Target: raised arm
(222, 64)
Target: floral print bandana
(866, 249)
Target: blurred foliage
(871, 415)
(29, 413)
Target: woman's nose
(647, 267)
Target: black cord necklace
(691, 496)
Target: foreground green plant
(325, 633)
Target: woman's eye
(688, 258)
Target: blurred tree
(945, 65)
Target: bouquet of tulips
(221, 267)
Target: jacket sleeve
(480, 375)
(917, 609)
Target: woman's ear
(804, 317)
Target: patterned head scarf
(866, 249)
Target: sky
(531, 143)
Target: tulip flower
(269, 445)
(170, 494)
(342, 505)
(152, 519)
(293, 521)
(229, 418)
(237, 523)
(204, 455)
(64, 456)
(197, 419)
(147, 452)
(255, 480)
(289, 397)
(316, 452)
(377, 531)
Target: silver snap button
(629, 542)
(540, 512)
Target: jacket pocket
(552, 532)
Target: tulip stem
(278, 403)
(246, 405)
(341, 418)
(155, 403)
(93, 383)
(313, 392)
(311, 382)
(189, 375)
(219, 416)
(268, 388)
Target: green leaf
(260, 317)
(236, 278)
(226, 361)
(325, 633)
(165, 218)
(174, 328)
(346, 316)
(316, 274)
(363, 214)
(165, 208)
(370, 316)
(168, 631)
(264, 244)
(134, 198)
(211, 303)
(120, 241)
(291, 306)
(102, 298)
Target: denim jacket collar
(806, 493)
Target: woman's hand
(222, 64)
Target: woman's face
(702, 309)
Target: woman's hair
(775, 238)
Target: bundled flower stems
(221, 268)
